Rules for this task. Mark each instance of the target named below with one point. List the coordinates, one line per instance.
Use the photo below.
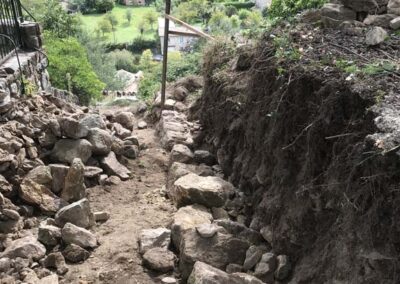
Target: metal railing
(10, 17)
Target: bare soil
(134, 205)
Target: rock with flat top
(77, 213)
(379, 20)
(72, 128)
(49, 235)
(27, 247)
(154, 238)
(74, 253)
(66, 150)
(181, 153)
(208, 230)
(101, 141)
(72, 234)
(159, 259)
(126, 119)
(113, 167)
(376, 36)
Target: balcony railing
(10, 17)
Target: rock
(47, 139)
(188, 218)
(27, 247)
(11, 214)
(176, 171)
(154, 238)
(93, 121)
(264, 272)
(180, 93)
(41, 175)
(247, 278)
(369, 6)
(72, 128)
(133, 140)
(335, 14)
(267, 234)
(113, 167)
(121, 131)
(58, 172)
(72, 234)
(29, 276)
(77, 213)
(130, 151)
(56, 260)
(159, 259)
(204, 157)
(39, 195)
(219, 213)
(207, 191)
(74, 184)
(394, 7)
(101, 216)
(205, 274)
(253, 256)
(218, 251)
(169, 280)
(5, 186)
(207, 230)
(376, 36)
(181, 153)
(50, 279)
(395, 23)
(66, 150)
(126, 119)
(49, 235)
(379, 20)
(173, 129)
(101, 141)
(284, 267)
(232, 268)
(241, 231)
(112, 180)
(142, 125)
(92, 172)
(75, 253)
(5, 264)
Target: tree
(146, 60)
(151, 18)
(128, 15)
(220, 23)
(105, 26)
(142, 25)
(114, 23)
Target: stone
(177, 170)
(219, 213)
(218, 251)
(101, 216)
(11, 214)
(113, 167)
(74, 253)
(283, 268)
(232, 268)
(333, 15)
(154, 238)
(47, 139)
(39, 195)
(66, 150)
(169, 280)
(112, 180)
(142, 125)
(49, 279)
(29, 276)
(55, 128)
(241, 231)
(253, 256)
(173, 129)
(207, 191)
(27, 247)
(74, 183)
(5, 186)
(207, 230)
(376, 36)
(5, 264)
(395, 23)
(58, 172)
(72, 128)
(394, 7)
(49, 235)
(203, 273)
(204, 157)
(101, 141)
(133, 140)
(379, 20)
(188, 218)
(56, 260)
(264, 272)
(267, 234)
(72, 234)
(181, 153)
(41, 175)
(126, 119)
(247, 278)
(92, 172)
(369, 6)
(130, 151)
(93, 121)
(121, 131)
(159, 259)
(77, 213)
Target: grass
(125, 32)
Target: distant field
(125, 32)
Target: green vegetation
(286, 8)
(370, 69)
(140, 23)
(68, 56)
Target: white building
(180, 38)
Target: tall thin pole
(165, 53)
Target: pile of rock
(209, 231)
(359, 14)
(50, 152)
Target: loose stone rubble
(51, 152)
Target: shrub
(286, 8)
(68, 56)
(124, 60)
(241, 5)
(140, 44)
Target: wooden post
(165, 53)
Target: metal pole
(165, 53)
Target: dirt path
(133, 205)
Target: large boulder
(74, 253)
(394, 7)
(376, 36)
(379, 20)
(41, 175)
(218, 251)
(72, 128)
(27, 247)
(77, 213)
(74, 183)
(159, 259)
(66, 150)
(153, 238)
(173, 129)
(369, 6)
(177, 170)
(101, 141)
(181, 153)
(49, 235)
(126, 119)
(113, 167)
(72, 234)
(207, 191)
(186, 218)
(335, 14)
(93, 121)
